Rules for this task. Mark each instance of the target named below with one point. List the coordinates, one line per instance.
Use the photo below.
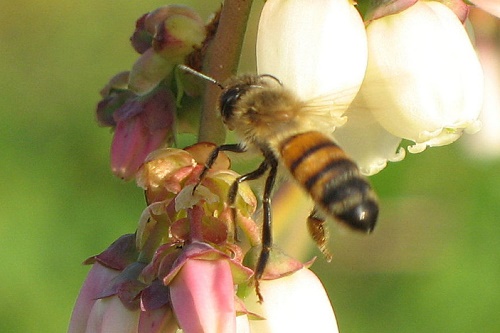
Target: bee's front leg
(234, 147)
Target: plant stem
(221, 63)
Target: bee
(293, 134)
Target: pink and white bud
(97, 279)
(110, 315)
(143, 124)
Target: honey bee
(293, 134)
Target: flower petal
(109, 315)
(242, 324)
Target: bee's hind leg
(319, 232)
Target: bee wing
(326, 112)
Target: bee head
(236, 88)
(228, 99)
(233, 90)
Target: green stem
(221, 63)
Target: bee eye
(229, 98)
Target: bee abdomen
(332, 179)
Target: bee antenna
(272, 77)
(200, 75)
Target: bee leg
(235, 148)
(233, 190)
(319, 233)
(267, 238)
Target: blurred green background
(433, 265)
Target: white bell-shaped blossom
(316, 48)
(423, 82)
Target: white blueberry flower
(423, 82)
(315, 48)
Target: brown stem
(221, 63)
(195, 216)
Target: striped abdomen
(331, 178)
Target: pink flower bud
(146, 27)
(204, 304)
(202, 290)
(164, 37)
(178, 36)
(143, 125)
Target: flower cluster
(182, 268)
